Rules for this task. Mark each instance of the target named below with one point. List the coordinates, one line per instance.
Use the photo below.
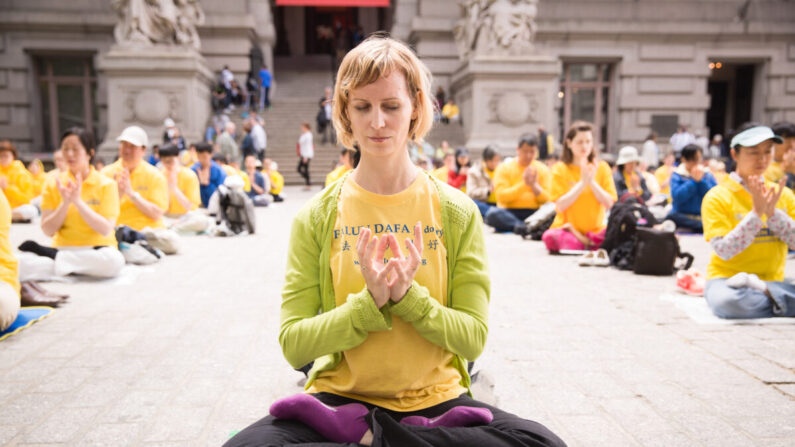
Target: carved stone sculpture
(144, 23)
(496, 27)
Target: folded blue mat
(26, 317)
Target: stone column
(147, 85)
(501, 98)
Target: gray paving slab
(186, 352)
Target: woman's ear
(734, 154)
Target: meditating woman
(583, 189)
(390, 340)
(78, 210)
(749, 223)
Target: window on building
(68, 92)
(585, 91)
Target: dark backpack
(625, 217)
(236, 210)
(656, 252)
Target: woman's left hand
(771, 197)
(405, 267)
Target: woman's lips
(378, 139)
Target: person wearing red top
(457, 178)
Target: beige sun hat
(135, 136)
(627, 154)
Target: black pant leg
(506, 430)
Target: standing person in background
(480, 180)
(324, 117)
(521, 186)
(226, 78)
(681, 139)
(702, 141)
(583, 190)
(690, 182)
(265, 79)
(259, 138)
(545, 145)
(210, 173)
(715, 151)
(440, 102)
(252, 91)
(226, 143)
(306, 150)
(650, 154)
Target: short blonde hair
(372, 59)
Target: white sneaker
(586, 260)
(749, 280)
(601, 258)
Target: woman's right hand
(756, 186)
(587, 171)
(371, 262)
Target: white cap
(169, 123)
(135, 136)
(626, 155)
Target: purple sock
(337, 424)
(456, 417)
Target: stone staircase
(298, 86)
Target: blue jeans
(484, 207)
(688, 221)
(264, 97)
(728, 302)
(508, 219)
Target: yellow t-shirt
(20, 183)
(188, 184)
(277, 181)
(188, 158)
(99, 193)
(148, 181)
(663, 174)
(397, 369)
(9, 267)
(336, 174)
(440, 173)
(450, 110)
(38, 183)
(723, 208)
(586, 213)
(774, 172)
(232, 171)
(493, 196)
(510, 190)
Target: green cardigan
(313, 328)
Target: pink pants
(557, 239)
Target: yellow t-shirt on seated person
(277, 181)
(774, 172)
(148, 181)
(232, 171)
(397, 369)
(586, 214)
(440, 173)
(99, 193)
(511, 191)
(20, 183)
(722, 209)
(9, 267)
(188, 184)
(336, 174)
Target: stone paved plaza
(184, 352)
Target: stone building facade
(630, 66)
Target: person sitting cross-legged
(749, 224)
(480, 180)
(690, 182)
(521, 187)
(628, 178)
(79, 211)
(9, 270)
(259, 184)
(583, 190)
(211, 174)
(271, 170)
(183, 183)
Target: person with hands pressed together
(143, 191)
(521, 186)
(583, 189)
(183, 184)
(390, 329)
(79, 211)
(749, 224)
(690, 182)
(15, 181)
